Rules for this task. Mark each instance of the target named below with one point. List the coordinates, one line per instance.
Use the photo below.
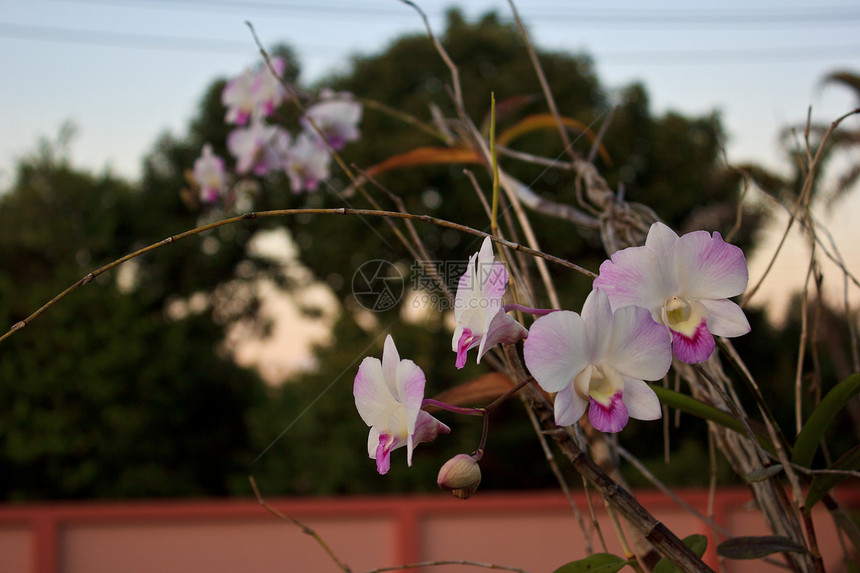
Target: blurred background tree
(126, 388)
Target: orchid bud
(460, 475)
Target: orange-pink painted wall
(534, 531)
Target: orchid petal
(368, 387)
(628, 278)
(568, 407)
(410, 386)
(725, 318)
(710, 268)
(598, 318)
(639, 347)
(390, 362)
(641, 401)
(554, 352)
(504, 329)
(609, 418)
(695, 348)
(383, 453)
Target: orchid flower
(685, 283)
(599, 358)
(481, 320)
(209, 175)
(388, 396)
(337, 120)
(258, 147)
(306, 164)
(269, 92)
(240, 98)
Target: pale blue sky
(126, 70)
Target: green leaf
(756, 547)
(763, 473)
(822, 483)
(699, 409)
(821, 419)
(697, 544)
(597, 563)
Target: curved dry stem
(465, 563)
(305, 529)
(801, 200)
(286, 213)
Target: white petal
(410, 386)
(569, 407)
(640, 348)
(634, 277)
(554, 352)
(372, 395)
(710, 268)
(598, 318)
(725, 318)
(641, 401)
(390, 361)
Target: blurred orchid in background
(337, 117)
(481, 321)
(259, 147)
(209, 175)
(253, 94)
(388, 396)
(306, 164)
(685, 283)
(599, 358)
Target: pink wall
(533, 531)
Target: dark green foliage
(106, 395)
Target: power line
(660, 17)
(211, 45)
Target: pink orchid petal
(639, 347)
(504, 329)
(725, 318)
(628, 278)
(383, 453)
(554, 352)
(695, 348)
(710, 268)
(390, 361)
(410, 391)
(427, 428)
(611, 418)
(568, 407)
(368, 387)
(466, 342)
(641, 401)
(598, 318)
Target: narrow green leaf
(699, 409)
(822, 483)
(697, 544)
(756, 547)
(763, 473)
(821, 419)
(597, 563)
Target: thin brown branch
(286, 213)
(305, 529)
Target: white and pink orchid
(258, 147)
(209, 175)
(336, 119)
(599, 358)
(254, 93)
(388, 396)
(685, 283)
(481, 320)
(306, 164)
